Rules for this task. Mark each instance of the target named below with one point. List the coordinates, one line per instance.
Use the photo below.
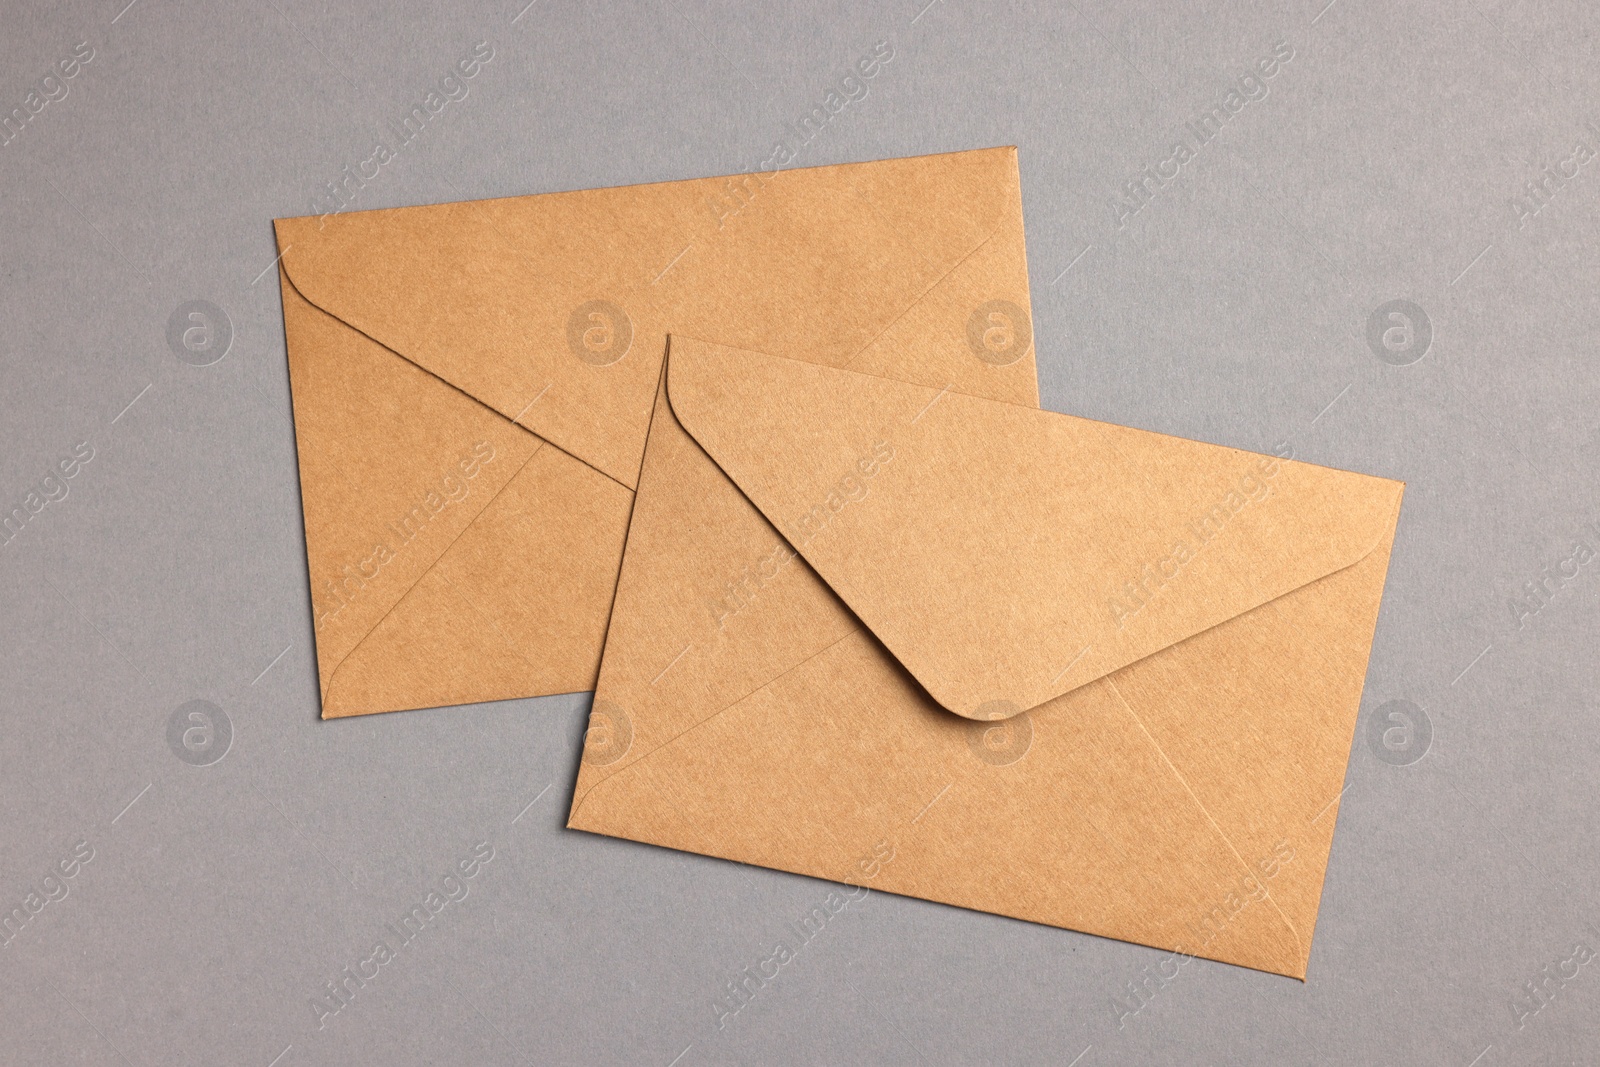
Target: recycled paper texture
(473, 385)
(1051, 668)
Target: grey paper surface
(241, 854)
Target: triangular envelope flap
(553, 309)
(485, 306)
(1007, 555)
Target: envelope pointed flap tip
(1006, 555)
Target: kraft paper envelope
(1036, 665)
(473, 383)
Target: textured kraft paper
(965, 650)
(473, 384)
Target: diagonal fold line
(430, 568)
(453, 386)
(669, 742)
(1299, 943)
(918, 299)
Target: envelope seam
(577, 805)
(334, 673)
(1293, 932)
(1012, 210)
(919, 298)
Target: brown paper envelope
(1069, 672)
(473, 383)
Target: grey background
(1232, 308)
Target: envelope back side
(473, 384)
(846, 632)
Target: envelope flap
(1006, 555)
(553, 309)
(482, 294)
